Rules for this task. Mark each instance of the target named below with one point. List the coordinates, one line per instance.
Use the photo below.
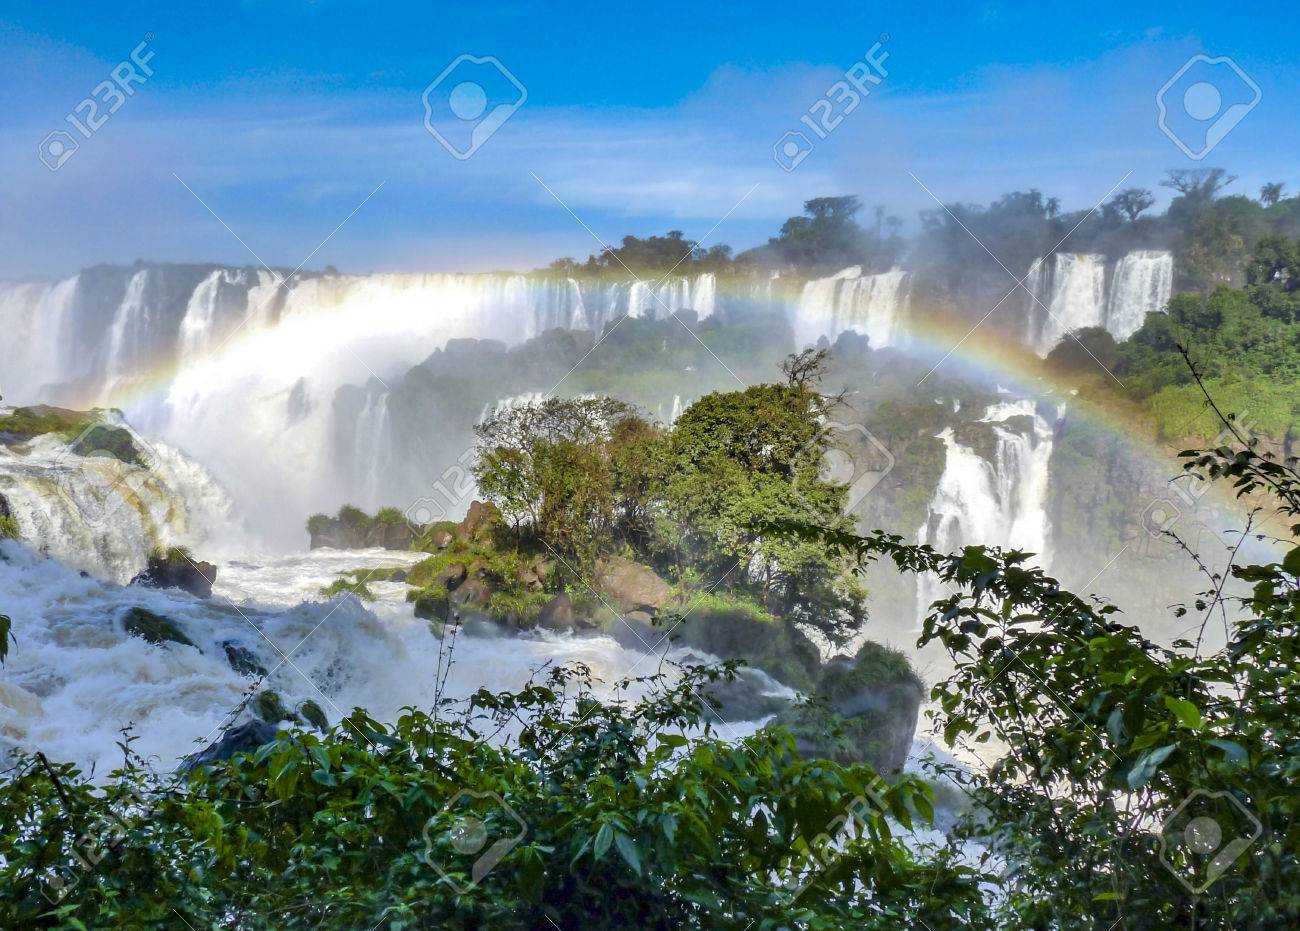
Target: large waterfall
(874, 305)
(1070, 291)
(995, 494)
(240, 369)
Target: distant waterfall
(1070, 292)
(1073, 296)
(1141, 285)
(874, 305)
(240, 368)
(997, 502)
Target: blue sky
(283, 117)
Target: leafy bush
(624, 824)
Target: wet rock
(431, 604)
(270, 707)
(242, 738)
(557, 614)
(314, 715)
(177, 568)
(242, 659)
(143, 623)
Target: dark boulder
(557, 614)
(242, 738)
(177, 568)
(242, 659)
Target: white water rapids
(73, 677)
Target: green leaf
(1233, 750)
(1291, 563)
(627, 849)
(1187, 714)
(604, 837)
(1146, 767)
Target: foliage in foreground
(610, 819)
(1133, 785)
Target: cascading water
(1141, 285)
(1070, 291)
(1000, 501)
(1075, 297)
(874, 305)
(102, 515)
(74, 677)
(240, 369)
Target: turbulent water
(1070, 291)
(998, 502)
(74, 678)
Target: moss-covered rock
(314, 715)
(431, 603)
(352, 528)
(270, 707)
(869, 711)
(177, 568)
(143, 623)
(978, 436)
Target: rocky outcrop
(177, 568)
(872, 703)
(353, 529)
(631, 586)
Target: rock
(534, 574)
(480, 520)
(451, 576)
(398, 575)
(177, 568)
(314, 715)
(242, 738)
(271, 708)
(474, 593)
(242, 659)
(631, 586)
(431, 604)
(354, 529)
(143, 623)
(557, 614)
(874, 699)
(441, 539)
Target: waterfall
(239, 368)
(873, 305)
(1075, 297)
(1070, 291)
(103, 515)
(1141, 285)
(996, 502)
